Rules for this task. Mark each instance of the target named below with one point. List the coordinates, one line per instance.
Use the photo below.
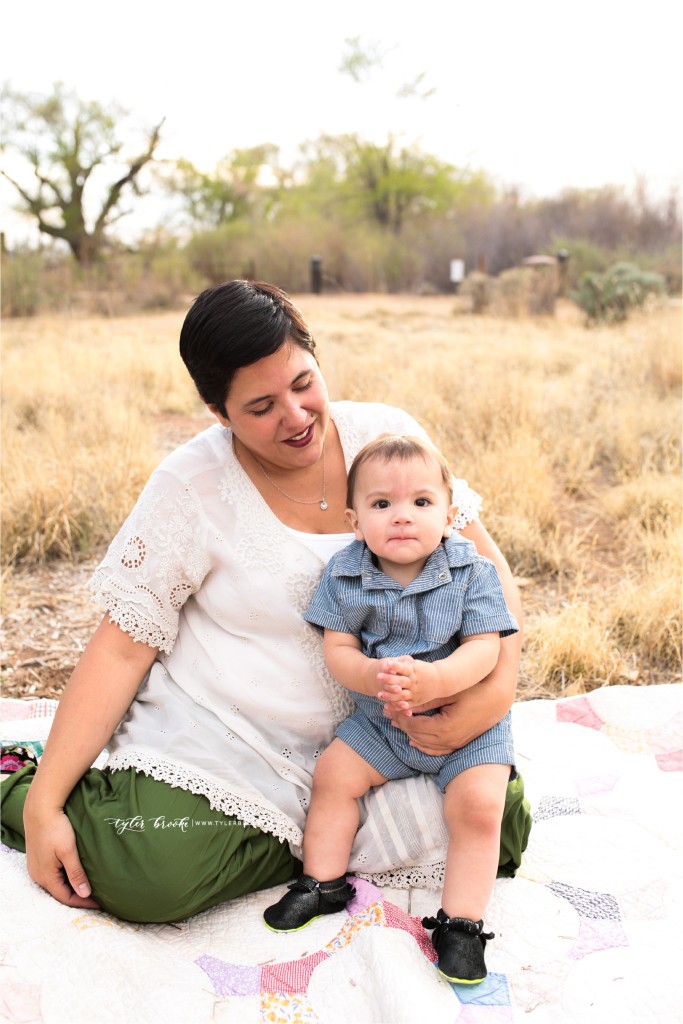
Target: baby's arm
(405, 681)
(347, 663)
(411, 683)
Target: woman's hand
(97, 696)
(466, 716)
(52, 859)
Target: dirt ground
(47, 622)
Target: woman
(203, 680)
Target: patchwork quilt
(589, 931)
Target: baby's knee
(329, 777)
(477, 811)
(326, 781)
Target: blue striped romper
(457, 594)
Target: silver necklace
(316, 501)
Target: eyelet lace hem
(124, 615)
(220, 799)
(415, 876)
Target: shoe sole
(299, 928)
(461, 981)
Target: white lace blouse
(239, 704)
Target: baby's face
(402, 512)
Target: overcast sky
(541, 95)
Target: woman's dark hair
(233, 325)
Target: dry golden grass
(571, 435)
(77, 396)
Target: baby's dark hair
(402, 447)
(235, 324)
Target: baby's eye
(381, 503)
(422, 502)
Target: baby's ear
(352, 518)
(450, 520)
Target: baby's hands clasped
(401, 682)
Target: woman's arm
(479, 708)
(97, 696)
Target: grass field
(571, 435)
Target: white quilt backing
(589, 932)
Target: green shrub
(666, 262)
(612, 296)
(584, 256)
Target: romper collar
(356, 560)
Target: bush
(612, 296)
(526, 291)
(478, 288)
(34, 280)
(520, 291)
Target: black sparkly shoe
(307, 899)
(460, 944)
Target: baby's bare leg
(341, 777)
(473, 808)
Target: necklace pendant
(323, 505)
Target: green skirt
(155, 853)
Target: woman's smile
(278, 409)
(302, 439)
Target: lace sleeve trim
(127, 617)
(177, 775)
(157, 559)
(468, 502)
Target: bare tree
(71, 159)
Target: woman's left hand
(437, 734)
(466, 716)
(469, 713)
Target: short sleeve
(325, 609)
(484, 607)
(468, 503)
(157, 559)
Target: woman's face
(278, 408)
